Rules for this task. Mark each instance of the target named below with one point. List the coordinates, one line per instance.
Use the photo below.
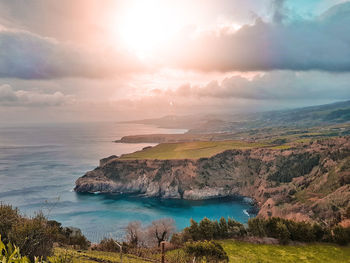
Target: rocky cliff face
(310, 181)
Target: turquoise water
(39, 165)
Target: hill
(305, 180)
(306, 117)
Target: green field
(238, 252)
(95, 256)
(190, 150)
(316, 253)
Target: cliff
(308, 181)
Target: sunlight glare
(146, 26)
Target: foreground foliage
(11, 254)
(35, 236)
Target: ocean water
(40, 163)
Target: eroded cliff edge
(309, 181)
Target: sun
(146, 26)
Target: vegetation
(204, 241)
(294, 166)
(207, 250)
(11, 254)
(190, 150)
(35, 236)
(241, 252)
(282, 229)
(91, 256)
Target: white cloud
(10, 97)
(275, 85)
(319, 44)
(25, 55)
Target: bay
(40, 163)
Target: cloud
(10, 97)
(319, 44)
(276, 85)
(279, 11)
(28, 56)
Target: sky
(113, 60)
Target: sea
(40, 163)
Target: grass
(246, 252)
(190, 150)
(96, 256)
(237, 251)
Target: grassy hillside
(237, 252)
(189, 150)
(306, 117)
(246, 252)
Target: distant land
(328, 114)
(294, 164)
(324, 120)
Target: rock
(105, 160)
(272, 178)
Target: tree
(193, 230)
(209, 250)
(341, 235)
(235, 229)
(134, 233)
(206, 228)
(256, 226)
(223, 227)
(282, 234)
(161, 230)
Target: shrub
(235, 229)
(341, 235)
(206, 229)
(9, 217)
(108, 244)
(74, 237)
(282, 233)
(256, 227)
(33, 236)
(209, 250)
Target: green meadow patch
(190, 150)
(240, 252)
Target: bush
(33, 236)
(282, 233)
(206, 250)
(108, 244)
(208, 230)
(256, 227)
(74, 237)
(9, 217)
(341, 235)
(235, 229)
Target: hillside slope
(308, 181)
